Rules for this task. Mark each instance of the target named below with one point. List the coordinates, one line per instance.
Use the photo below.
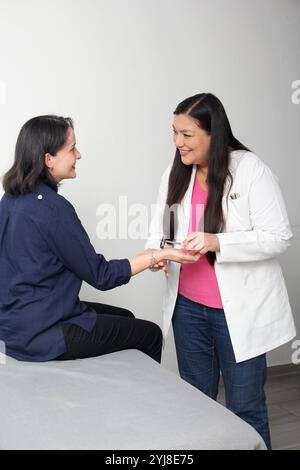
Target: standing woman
(231, 307)
(45, 254)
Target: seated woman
(46, 254)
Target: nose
(78, 155)
(179, 140)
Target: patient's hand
(163, 256)
(180, 256)
(161, 265)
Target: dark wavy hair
(38, 136)
(210, 116)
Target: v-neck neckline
(200, 185)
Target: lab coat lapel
(185, 209)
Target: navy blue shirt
(45, 254)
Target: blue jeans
(204, 348)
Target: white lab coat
(250, 279)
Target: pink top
(198, 281)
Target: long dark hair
(38, 136)
(210, 116)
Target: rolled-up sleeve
(71, 244)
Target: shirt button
(40, 197)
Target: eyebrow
(183, 130)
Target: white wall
(119, 68)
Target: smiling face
(192, 142)
(62, 165)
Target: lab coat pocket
(270, 299)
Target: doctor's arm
(271, 230)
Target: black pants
(115, 329)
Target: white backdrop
(119, 68)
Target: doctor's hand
(162, 265)
(172, 254)
(202, 242)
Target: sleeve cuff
(219, 254)
(127, 271)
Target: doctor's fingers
(193, 235)
(194, 238)
(160, 265)
(197, 247)
(166, 271)
(191, 257)
(204, 250)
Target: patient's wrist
(155, 257)
(164, 254)
(160, 255)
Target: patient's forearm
(145, 260)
